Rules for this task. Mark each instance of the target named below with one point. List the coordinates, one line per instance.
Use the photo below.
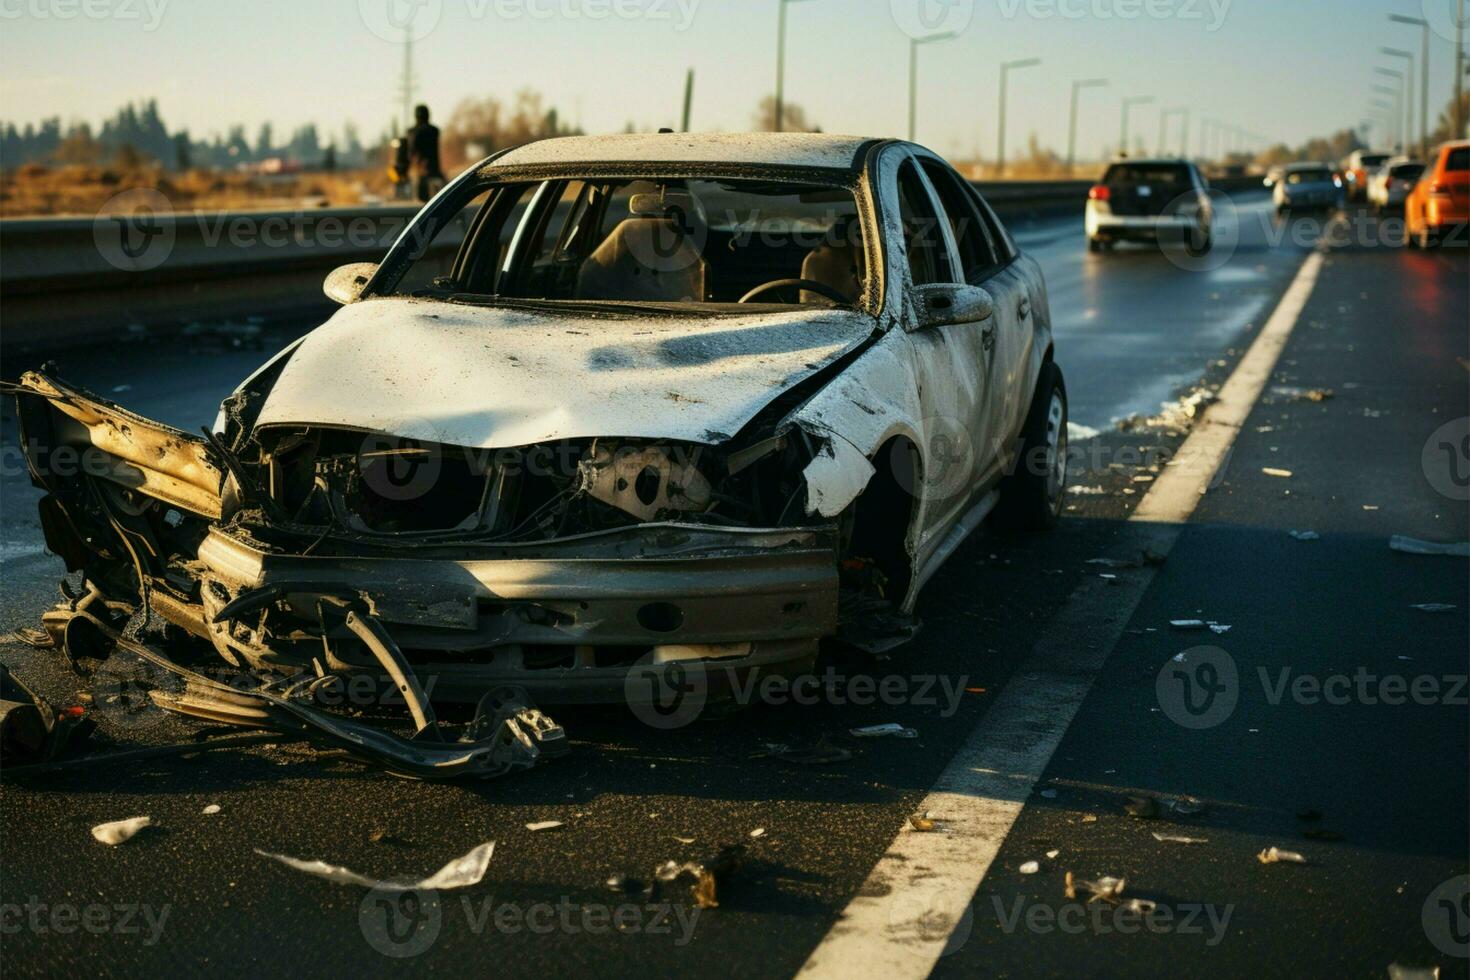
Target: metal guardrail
(65, 281)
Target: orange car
(1440, 203)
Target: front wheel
(1031, 495)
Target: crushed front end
(325, 555)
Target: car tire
(1032, 496)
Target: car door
(953, 361)
(985, 260)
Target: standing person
(423, 152)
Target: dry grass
(35, 190)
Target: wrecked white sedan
(672, 399)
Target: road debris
(1178, 839)
(1029, 867)
(1186, 806)
(32, 732)
(891, 728)
(462, 872)
(684, 840)
(1291, 393)
(1219, 628)
(703, 877)
(1414, 546)
(758, 832)
(1434, 607)
(1397, 972)
(1052, 855)
(1141, 807)
(1273, 471)
(1275, 855)
(923, 823)
(210, 810)
(1305, 535)
(1187, 624)
(1106, 889)
(544, 825)
(120, 831)
(1081, 491)
(820, 753)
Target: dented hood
(501, 377)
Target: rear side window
(1308, 177)
(1129, 174)
(978, 256)
(928, 257)
(1459, 159)
(1372, 160)
(1407, 171)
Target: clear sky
(1287, 69)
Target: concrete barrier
(65, 281)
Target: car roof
(1308, 165)
(815, 150)
(1150, 161)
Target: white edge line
(915, 905)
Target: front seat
(839, 262)
(654, 256)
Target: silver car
(1308, 186)
(610, 403)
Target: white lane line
(915, 905)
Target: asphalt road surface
(1329, 719)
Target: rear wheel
(1031, 496)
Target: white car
(669, 401)
(1357, 168)
(1390, 185)
(1160, 201)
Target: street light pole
(1128, 102)
(781, 64)
(1164, 115)
(1408, 83)
(1398, 101)
(1423, 25)
(914, 75)
(1000, 143)
(1077, 86)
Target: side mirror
(940, 304)
(345, 283)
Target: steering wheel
(810, 285)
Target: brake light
(1099, 192)
(1439, 190)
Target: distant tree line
(137, 135)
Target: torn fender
(70, 432)
(873, 400)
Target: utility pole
(1000, 143)
(688, 100)
(1077, 87)
(1397, 91)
